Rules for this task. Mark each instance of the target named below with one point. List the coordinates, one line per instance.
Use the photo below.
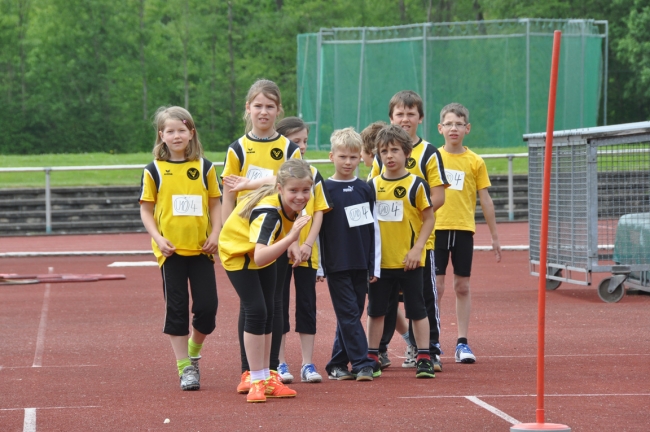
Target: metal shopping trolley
(599, 210)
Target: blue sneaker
(464, 354)
(308, 374)
(285, 375)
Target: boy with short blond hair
(348, 240)
(405, 214)
(455, 225)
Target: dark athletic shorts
(458, 244)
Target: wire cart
(599, 210)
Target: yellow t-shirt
(253, 159)
(180, 191)
(399, 206)
(425, 162)
(467, 174)
(319, 201)
(267, 224)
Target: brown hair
(194, 150)
(454, 108)
(270, 90)
(396, 135)
(291, 125)
(369, 136)
(293, 168)
(407, 98)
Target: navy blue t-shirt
(344, 247)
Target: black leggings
(273, 310)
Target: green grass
(132, 176)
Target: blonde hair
(270, 90)
(346, 138)
(291, 169)
(194, 150)
(454, 108)
(369, 136)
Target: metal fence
(600, 186)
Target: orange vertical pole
(546, 195)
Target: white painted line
(134, 264)
(47, 408)
(530, 395)
(493, 410)
(72, 253)
(40, 339)
(46, 367)
(29, 424)
(503, 248)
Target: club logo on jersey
(399, 192)
(193, 173)
(277, 153)
(250, 150)
(410, 163)
(381, 189)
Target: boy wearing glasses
(455, 225)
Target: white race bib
(455, 178)
(255, 172)
(359, 214)
(187, 205)
(390, 210)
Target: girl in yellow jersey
(261, 228)
(181, 210)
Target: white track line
(133, 264)
(40, 339)
(71, 253)
(530, 395)
(29, 424)
(52, 408)
(493, 410)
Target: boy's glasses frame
(452, 125)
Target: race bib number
(255, 172)
(187, 205)
(359, 214)
(390, 210)
(455, 178)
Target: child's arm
(265, 254)
(211, 244)
(306, 247)
(238, 183)
(437, 197)
(146, 214)
(229, 200)
(488, 212)
(412, 260)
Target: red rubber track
(106, 365)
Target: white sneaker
(283, 371)
(308, 374)
(410, 354)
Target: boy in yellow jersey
(403, 207)
(455, 224)
(406, 109)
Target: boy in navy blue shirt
(349, 238)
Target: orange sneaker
(257, 392)
(245, 385)
(275, 388)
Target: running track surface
(85, 356)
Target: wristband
(307, 244)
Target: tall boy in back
(455, 225)
(406, 109)
(405, 217)
(349, 239)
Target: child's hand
(211, 244)
(165, 246)
(412, 260)
(497, 249)
(298, 225)
(305, 252)
(320, 278)
(236, 183)
(372, 279)
(294, 254)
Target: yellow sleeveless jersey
(267, 224)
(425, 162)
(399, 206)
(467, 175)
(319, 201)
(253, 159)
(180, 191)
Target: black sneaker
(365, 374)
(340, 373)
(376, 369)
(424, 369)
(384, 361)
